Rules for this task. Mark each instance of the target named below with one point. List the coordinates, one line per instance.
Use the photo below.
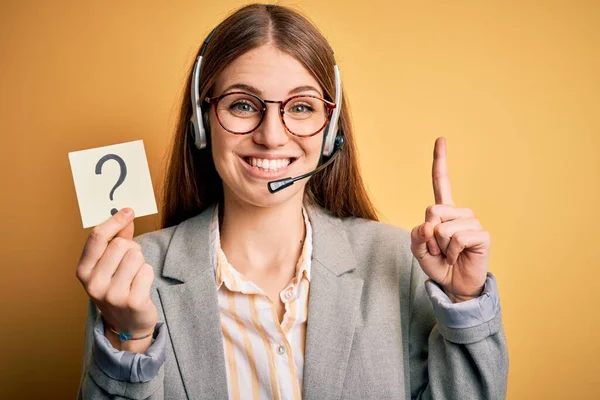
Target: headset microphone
(276, 186)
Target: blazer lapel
(191, 309)
(334, 304)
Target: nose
(271, 133)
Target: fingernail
(127, 212)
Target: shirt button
(290, 295)
(280, 350)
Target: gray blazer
(376, 328)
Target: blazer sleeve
(457, 351)
(98, 383)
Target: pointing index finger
(439, 174)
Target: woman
(253, 293)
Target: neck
(262, 240)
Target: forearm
(477, 369)
(458, 350)
(128, 375)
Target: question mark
(121, 177)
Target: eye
(242, 106)
(300, 108)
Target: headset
(333, 141)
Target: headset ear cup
(329, 140)
(192, 131)
(198, 132)
(206, 129)
(324, 141)
(206, 123)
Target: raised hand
(451, 246)
(113, 272)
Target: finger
(438, 213)
(111, 259)
(139, 295)
(433, 247)
(120, 284)
(98, 240)
(444, 232)
(420, 236)
(439, 174)
(477, 241)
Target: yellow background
(513, 86)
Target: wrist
(134, 346)
(458, 298)
(138, 343)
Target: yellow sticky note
(110, 178)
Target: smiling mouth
(269, 165)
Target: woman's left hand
(451, 246)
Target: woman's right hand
(114, 273)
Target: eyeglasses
(241, 113)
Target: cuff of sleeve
(123, 389)
(467, 314)
(128, 366)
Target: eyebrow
(254, 90)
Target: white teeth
(270, 165)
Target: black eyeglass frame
(214, 101)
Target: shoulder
(377, 253)
(376, 248)
(155, 244)
(380, 241)
(375, 232)
(174, 251)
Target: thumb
(127, 231)
(418, 239)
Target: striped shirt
(264, 358)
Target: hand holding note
(116, 277)
(112, 268)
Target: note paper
(110, 178)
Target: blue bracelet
(128, 336)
